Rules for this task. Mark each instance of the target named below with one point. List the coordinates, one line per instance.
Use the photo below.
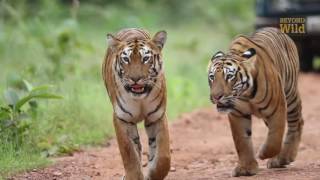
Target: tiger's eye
(211, 77)
(125, 59)
(229, 76)
(145, 59)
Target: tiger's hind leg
(293, 136)
(130, 148)
(159, 149)
(241, 133)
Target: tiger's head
(138, 62)
(231, 76)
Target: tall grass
(52, 46)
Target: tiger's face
(230, 76)
(138, 63)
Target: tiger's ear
(112, 41)
(249, 53)
(251, 59)
(160, 39)
(217, 55)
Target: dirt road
(202, 148)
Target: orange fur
(258, 76)
(134, 78)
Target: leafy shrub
(15, 117)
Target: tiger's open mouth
(224, 107)
(137, 88)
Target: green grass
(29, 45)
(26, 157)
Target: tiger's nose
(217, 97)
(136, 79)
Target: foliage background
(62, 43)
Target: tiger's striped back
(283, 53)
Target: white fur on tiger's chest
(128, 109)
(135, 109)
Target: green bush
(15, 119)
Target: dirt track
(202, 148)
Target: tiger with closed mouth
(133, 73)
(259, 76)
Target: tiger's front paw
(244, 171)
(268, 151)
(277, 162)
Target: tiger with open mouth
(133, 73)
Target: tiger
(258, 76)
(133, 73)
